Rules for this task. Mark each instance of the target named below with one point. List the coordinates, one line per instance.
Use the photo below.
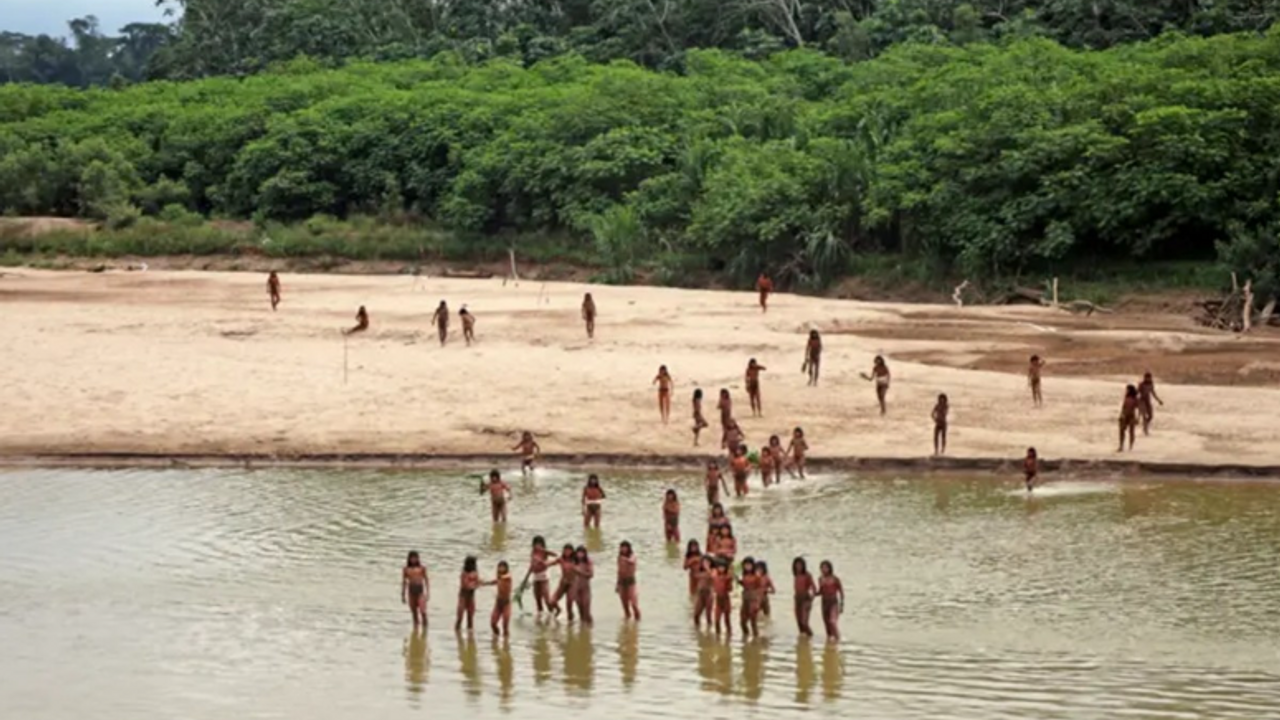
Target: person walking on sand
(699, 422)
(1034, 369)
(362, 322)
(468, 325)
(273, 289)
(589, 315)
(1146, 393)
(665, 384)
(753, 387)
(764, 286)
(440, 318)
(415, 589)
(812, 357)
(880, 376)
(1128, 416)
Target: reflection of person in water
(415, 661)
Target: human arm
(1154, 395)
(404, 586)
(840, 594)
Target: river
(206, 594)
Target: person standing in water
(721, 587)
(1128, 416)
(779, 457)
(714, 482)
(671, 517)
(699, 422)
(813, 357)
(467, 584)
(664, 383)
(589, 315)
(766, 587)
(539, 563)
(692, 561)
(468, 325)
(741, 468)
(362, 322)
(805, 591)
(440, 318)
(415, 589)
(797, 449)
(499, 493)
(1030, 468)
(940, 425)
(764, 286)
(502, 605)
(592, 502)
(583, 572)
(749, 613)
(765, 461)
(626, 587)
(1146, 393)
(273, 289)
(1034, 370)
(832, 592)
(880, 376)
(701, 578)
(753, 387)
(529, 452)
(567, 582)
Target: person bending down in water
(812, 357)
(467, 584)
(589, 315)
(592, 502)
(1031, 469)
(529, 452)
(699, 422)
(627, 591)
(415, 589)
(273, 289)
(1147, 392)
(502, 605)
(753, 387)
(499, 493)
(468, 325)
(362, 322)
(664, 383)
(940, 425)
(1128, 416)
(832, 592)
(440, 318)
(805, 590)
(880, 376)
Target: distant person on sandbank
(1034, 370)
(440, 318)
(812, 356)
(1128, 416)
(699, 422)
(881, 377)
(764, 286)
(1147, 392)
(362, 322)
(940, 425)
(273, 289)
(753, 387)
(589, 315)
(468, 325)
(665, 384)
(725, 406)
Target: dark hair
(412, 560)
(799, 566)
(539, 541)
(1131, 391)
(708, 560)
(1035, 358)
(942, 397)
(469, 564)
(748, 560)
(1031, 451)
(593, 480)
(503, 566)
(879, 360)
(799, 430)
(775, 439)
(716, 507)
(752, 361)
(671, 494)
(826, 565)
(813, 333)
(693, 548)
(697, 393)
(1146, 375)
(568, 548)
(581, 551)
(761, 568)
(724, 391)
(625, 545)
(495, 475)
(662, 369)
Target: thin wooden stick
(344, 359)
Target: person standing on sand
(440, 318)
(1146, 392)
(362, 322)
(699, 422)
(589, 315)
(468, 325)
(665, 384)
(940, 425)
(881, 377)
(812, 357)
(753, 387)
(764, 286)
(1033, 380)
(725, 406)
(1128, 416)
(273, 289)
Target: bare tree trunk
(956, 294)
(1246, 310)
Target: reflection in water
(541, 656)
(806, 675)
(505, 668)
(579, 659)
(415, 661)
(469, 664)
(753, 661)
(1134, 502)
(715, 663)
(628, 652)
(832, 672)
(595, 540)
(497, 538)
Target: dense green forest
(957, 135)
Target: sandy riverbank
(196, 364)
